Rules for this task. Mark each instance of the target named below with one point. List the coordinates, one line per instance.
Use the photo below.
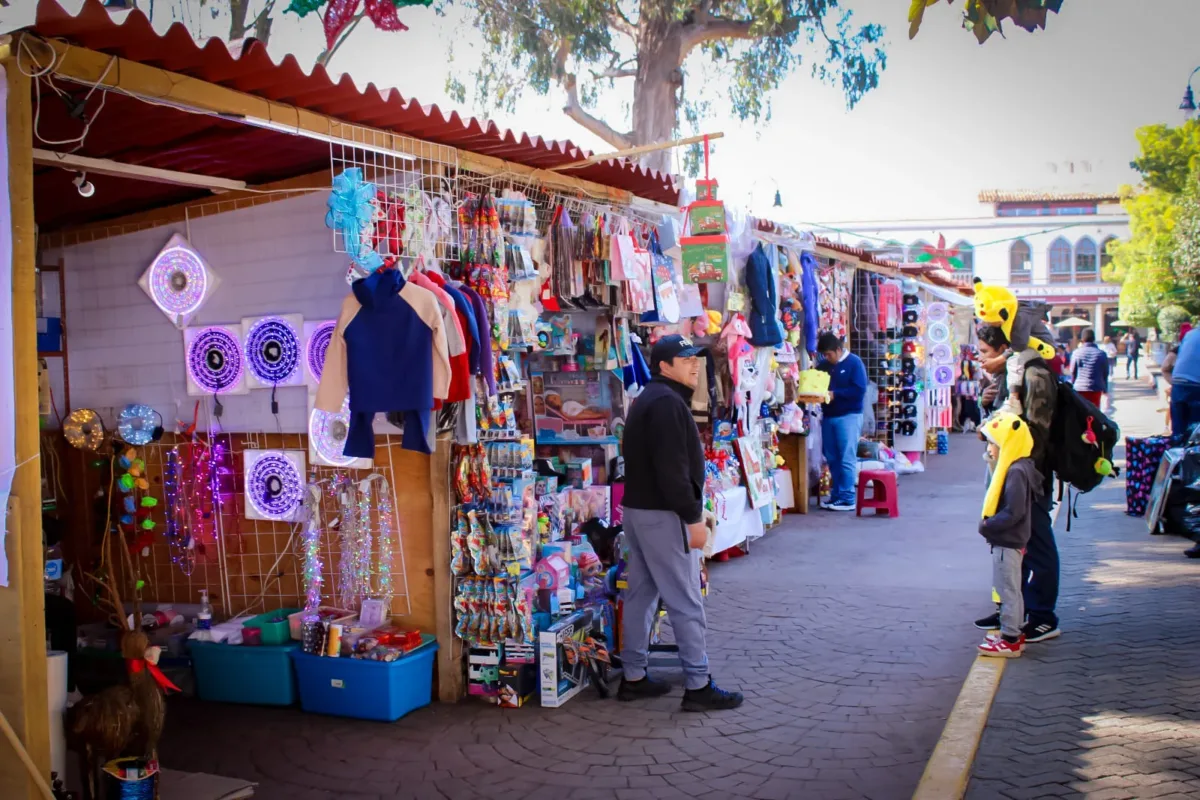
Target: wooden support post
(794, 450)
(23, 694)
(449, 655)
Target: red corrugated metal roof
(132, 131)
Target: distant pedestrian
(1110, 350)
(1007, 524)
(1131, 343)
(663, 516)
(1184, 378)
(841, 424)
(1089, 369)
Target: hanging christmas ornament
(84, 429)
(310, 547)
(139, 424)
(327, 437)
(271, 346)
(274, 483)
(947, 258)
(214, 360)
(179, 281)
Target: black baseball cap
(671, 347)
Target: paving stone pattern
(1112, 708)
(850, 638)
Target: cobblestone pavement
(1112, 708)
(850, 638)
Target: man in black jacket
(662, 513)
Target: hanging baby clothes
(487, 366)
(809, 297)
(764, 303)
(389, 351)
(460, 379)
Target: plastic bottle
(204, 620)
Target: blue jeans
(839, 443)
(1185, 410)
(1040, 568)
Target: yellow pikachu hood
(997, 305)
(1009, 433)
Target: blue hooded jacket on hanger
(808, 296)
(765, 330)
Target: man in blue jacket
(841, 423)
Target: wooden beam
(639, 150)
(449, 656)
(106, 166)
(23, 695)
(192, 209)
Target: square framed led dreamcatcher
(273, 350)
(317, 336)
(327, 433)
(274, 483)
(214, 361)
(179, 281)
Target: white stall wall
(275, 258)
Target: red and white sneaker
(997, 647)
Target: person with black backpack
(1040, 567)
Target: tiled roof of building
(1031, 196)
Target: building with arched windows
(1050, 246)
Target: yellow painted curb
(949, 767)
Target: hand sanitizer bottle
(204, 620)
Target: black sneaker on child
(990, 623)
(1040, 631)
(710, 698)
(640, 690)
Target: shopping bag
(667, 286)
(622, 252)
(639, 286)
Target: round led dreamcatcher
(938, 332)
(941, 353)
(139, 424)
(327, 432)
(937, 312)
(274, 485)
(214, 360)
(272, 351)
(84, 429)
(178, 281)
(943, 375)
(318, 345)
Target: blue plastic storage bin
(244, 674)
(352, 687)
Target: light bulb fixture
(778, 200)
(1188, 105)
(85, 187)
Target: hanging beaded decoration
(384, 587)
(179, 541)
(311, 547)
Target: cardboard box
(483, 672)
(579, 473)
(561, 680)
(518, 684)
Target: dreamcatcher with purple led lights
(213, 356)
(178, 280)
(317, 336)
(327, 437)
(274, 484)
(271, 346)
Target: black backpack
(1080, 437)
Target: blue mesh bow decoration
(352, 212)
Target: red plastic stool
(885, 495)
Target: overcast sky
(949, 118)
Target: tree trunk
(262, 26)
(656, 87)
(237, 23)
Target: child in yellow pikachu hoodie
(1006, 524)
(1024, 325)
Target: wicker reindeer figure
(125, 720)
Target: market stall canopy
(132, 131)
(1073, 322)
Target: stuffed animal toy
(997, 305)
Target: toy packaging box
(575, 407)
(560, 679)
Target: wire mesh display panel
(392, 197)
(875, 331)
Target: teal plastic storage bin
(351, 687)
(240, 674)
(273, 632)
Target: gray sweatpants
(660, 565)
(1006, 579)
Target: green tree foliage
(1160, 264)
(664, 47)
(985, 17)
(1170, 318)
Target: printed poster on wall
(758, 485)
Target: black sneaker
(1040, 632)
(640, 690)
(989, 623)
(710, 698)
(1192, 552)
